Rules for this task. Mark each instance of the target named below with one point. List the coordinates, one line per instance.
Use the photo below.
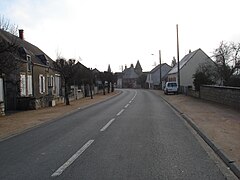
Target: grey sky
(120, 32)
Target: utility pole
(178, 61)
(160, 68)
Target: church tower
(109, 68)
(138, 68)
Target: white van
(171, 87)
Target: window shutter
(53, 83)
(22, 85)
(40, 83)
(29, 85)
(1, 89)
(43, 84)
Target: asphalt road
(135, 135)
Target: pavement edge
(229, 163)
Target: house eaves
(157, 67)
(183, 62)
(28, 49)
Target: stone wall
(225, 95)
(2, 109)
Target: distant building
(128, 78)
(153, 77)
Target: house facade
(153, 77)
(188, 66)
(34, 83)
(2, 108)
(128, 78)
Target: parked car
(171, 87)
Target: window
(41, 84)
(1, 89)
(57, 84)
(23, 91)
(29, 85)
(29, 63)
(51, 81)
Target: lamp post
(160, 69)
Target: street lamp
(160, 69)
(178, 65)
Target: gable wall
(186, 73)
(156, 75)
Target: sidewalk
(17, 122)
(218, 123)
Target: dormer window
(44, 59)
(29, 63)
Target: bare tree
(8, 47)
(103, 78)
(6, 25)
(8, 57)
(67, 71)
(227, 55)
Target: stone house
(34, 83)
(2, 109)
(128, 78)
(153, 77)
(188, 66)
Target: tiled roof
(157, 67)
(37, 55)
(130, 73)
(184, 60)
(138, 65)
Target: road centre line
(120, 112)
(60, 170)
(126, 105)
(108, 124)
(130, 102)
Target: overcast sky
(120, 32)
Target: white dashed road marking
(120, 112)
(108, 124)
(60, 170)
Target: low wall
(225, 95)
(2, 109)
(193, 93)
(31, 103)
(188, 91)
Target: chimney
(190, 50)
(21, 34)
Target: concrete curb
(230, 163)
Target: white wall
(187, 71)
